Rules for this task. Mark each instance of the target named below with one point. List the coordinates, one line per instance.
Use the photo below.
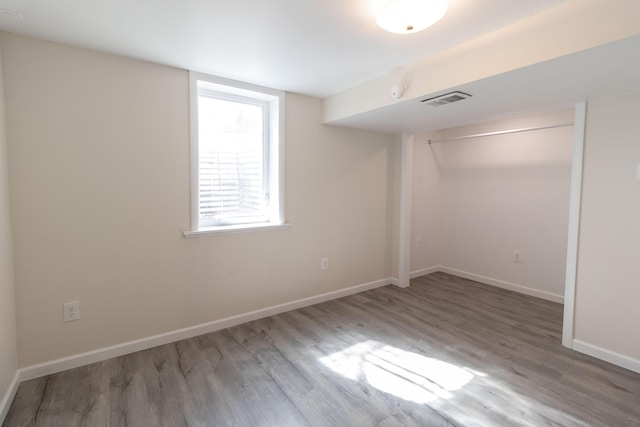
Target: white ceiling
(313, 47)
(608, 70)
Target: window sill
(234, 229)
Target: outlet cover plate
(517, 256)
(71, 311)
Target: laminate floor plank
(331, 336)
(333, 395)
(444, 352)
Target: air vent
(445, 99)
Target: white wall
(8, 352)
(608, 278)
(99, 155)
(426, 208)
(489, 196)
(394, 206)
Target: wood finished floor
(444, 352)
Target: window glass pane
(230, 136)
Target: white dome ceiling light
(410, 16)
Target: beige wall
(608, 279)
(8, 358)
(480, 199)
(99, 155)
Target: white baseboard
(59, 365)
(425, 271)
(504, 285)
(606, 355)
(5, 403)
(75, 361)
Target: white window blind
(233, 174)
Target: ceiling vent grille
(448, 98)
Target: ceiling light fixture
(410, 16)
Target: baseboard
(577, 345)
(504, 285)
(606, 355)
(59, 365)
(424, 271)
(5, 403)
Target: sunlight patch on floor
(409, 376)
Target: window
(236, 156)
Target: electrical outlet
(324, 264)
(517, 256)
(419, 242)
(71, 311)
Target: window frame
(273, 146)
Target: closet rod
(501, 132)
